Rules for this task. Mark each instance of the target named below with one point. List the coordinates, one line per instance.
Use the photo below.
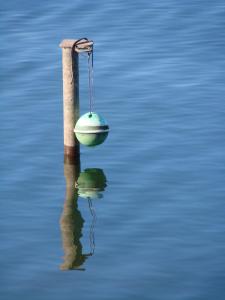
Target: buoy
(91, 129)
(91, 183)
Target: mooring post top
(82, 46)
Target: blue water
(159, 229)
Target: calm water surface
(158, 229)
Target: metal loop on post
(82, 45)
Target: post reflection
(88, 184)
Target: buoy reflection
(89, 184)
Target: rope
(90, 70)
(91, 80)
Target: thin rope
(90, 70)
(91, 80)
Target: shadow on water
(88, 184)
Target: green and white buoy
(91, 129)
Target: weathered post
(70, 64)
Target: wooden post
(70, 64)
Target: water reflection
(88, 184)
(91, 183)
